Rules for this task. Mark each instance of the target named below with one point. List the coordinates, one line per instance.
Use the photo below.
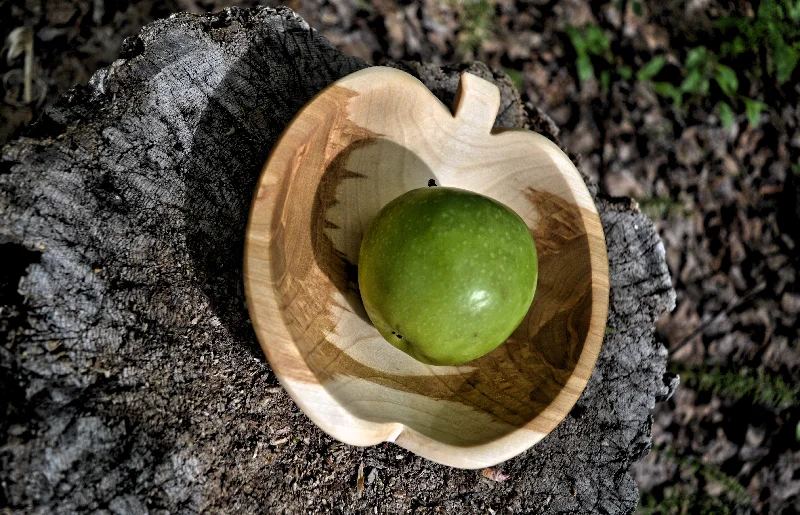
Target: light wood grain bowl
(358, 144)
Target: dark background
(690, 107)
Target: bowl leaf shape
(360, 143)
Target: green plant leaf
(625, 72)
(786, 59)
(637, 8)
(737, 25)
(477, 23)
(515, 76)
(771, 31)
(727, 79)
(577, 39)
(605, 80)
(794, 10)
(585, 68)
(693, 83)
(725, 114)
(661, 207)
(738, 46)
(596, 41)
(768, 10)
(651, 69)
(696, 58)
(705, 84)
(666, 89)
(767, 390)
(753, 109)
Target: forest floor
(690, 107)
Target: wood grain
(357, 145)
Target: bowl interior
(324, 209)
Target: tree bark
(132, 381)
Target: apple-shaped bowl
(358, 144)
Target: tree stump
(132, 381)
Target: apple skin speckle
(446, 275)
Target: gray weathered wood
(131, 378)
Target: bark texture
(131, 378)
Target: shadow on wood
(348, 198)
(217, 204)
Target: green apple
(446, 275)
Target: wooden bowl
(358, 144)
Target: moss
(765, 390)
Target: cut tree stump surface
(132, 381)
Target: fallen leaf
(495, 474)
(360, 480)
